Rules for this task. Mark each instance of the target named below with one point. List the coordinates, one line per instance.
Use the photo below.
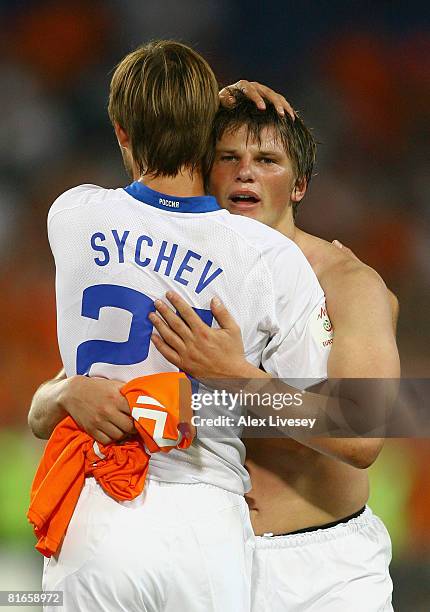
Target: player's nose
(245, 171)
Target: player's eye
(228, 158)
(267, 160)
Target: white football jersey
(117, 250)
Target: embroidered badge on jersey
(321, 326)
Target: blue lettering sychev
(185, 268)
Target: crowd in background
(358, 72)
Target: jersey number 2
(136, 348)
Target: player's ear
(122, 136)
(299, 189)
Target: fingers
(187, 313)
(279, 102)
(101, 437)
(122, 405)
(114, 432)
(226, 97)
(108, 431)
(345, 249)
(169, 336)
(123, 422)
(188, 430)
(118, 398)
(174, 331)
(113, 428)
(173, 320)
(222, 315)
(258, 93)
(167, 352)
(111, 431)
(252, 92)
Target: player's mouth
(243, 200)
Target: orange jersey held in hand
(161, 407)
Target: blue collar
(144, 194)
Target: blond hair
(164, 95)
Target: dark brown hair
(165, 96)
(296, 138)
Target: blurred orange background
(359, 74)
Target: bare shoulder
(361, 311)
(356, 295)
(343, 277)
(351, 287)
(348, 275)
(336, 267)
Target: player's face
(254, 179)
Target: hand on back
(194, 347)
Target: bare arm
(394, 304)
(45, 413)
(392, 298)
(368, 350)
(96, 405)
(364, 342)
(364, 346)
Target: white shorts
(338, 569)
(177, 547)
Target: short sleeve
(300, 347)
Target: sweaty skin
(96, 404)
(300, 485)
(293, 486)
(315, 489)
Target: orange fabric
(71, 454)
